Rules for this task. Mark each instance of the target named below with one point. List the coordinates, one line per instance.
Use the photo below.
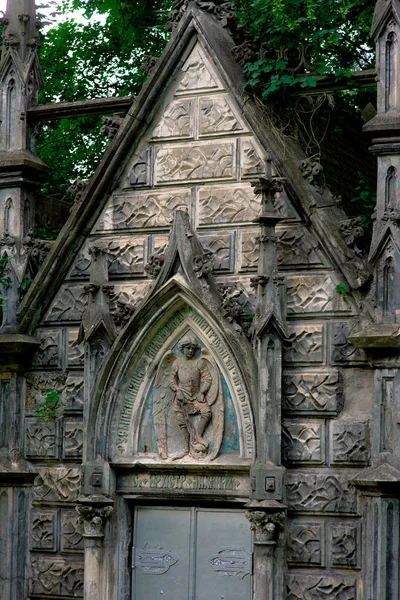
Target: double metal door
(191, 554)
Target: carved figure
(190, 386)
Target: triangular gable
(384, 11)
(195, 140)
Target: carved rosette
(351, 230)
(265, 525)
(203, 265)
(154, 265)
(93, 519)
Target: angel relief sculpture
(188, 403)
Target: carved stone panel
(203, 161)
(344, 544)
(322, 587)
(126, 258)
(44, 530)
(314, 293)
(227, 204)
(305, 344)
(73, 392)
(303, 442)
(349, 443)
(222, 247)
(217, 116)
(252, 162)
(40, 438)
(320, 493)
(39, 384)
(177, 121)
(342, 350)
(75, 351)
(140, 170)
(312, 393)
(57, 577)
(57, 484)
(306, 543)
(72, 438)
(69, 304)
(71, 536)
(143, 209)
(49, 353)
(197, 73)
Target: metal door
(191, 554)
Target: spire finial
(20, 33)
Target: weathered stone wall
(201, 155)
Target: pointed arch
(390, 71)
(8, 209)
(123, 387)
(10, 113)
(390, 189)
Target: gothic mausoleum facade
(199, 392)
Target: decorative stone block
(72, 439)
(320, 493)
(222, 247)
(202, 161)
(49, 353)
(322, 587)
(342, 350)
(197, 73)
(217, 116)
(158, 244)
(57, 577)
(312, 393)
(218, 205)
(59, 484)
(44, 530)
(140, 170)
(349, 443)
(252, 162)
(69, 304)
(314, 294)
(133, 210)
(126, 257)
(304, 344)
(71, 536)
(40, 438)
(73, 392)
(303, 442)
(75, 351)
(344, 541)
(306, 543)
(39, 384)
(177, 121)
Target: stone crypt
(190, 408)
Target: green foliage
(332, 34)
(5, 281)
(52, 408)
(342, 289)
(26, 283)
(364, 201)
(46, 233)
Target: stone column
(93, 516)
(266, 525)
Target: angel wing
(162, 400)
(215, 399)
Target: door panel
(191, 554)
(223, 556)
(162, 554)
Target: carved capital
(268, 185)
(148, 64)
(93, 519)
(265, 525)
(259, 280)
(111, 126)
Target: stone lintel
(16, 473)
(382, 479)
(389, 121)
(377, 336)
(20, 159)
(16, 350)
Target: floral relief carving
(344, 545)
(196, 74)
(216, 116)
(69, 304)
(227, 205)
(312, 392)
(211, 161)
(350, 443)
(49, 352)
(75, 350)
(40, 439)
(176, 121)
(302, 441)
(252, 163)
(125, 257)
(304, 344)
(73, 438)
(57, 484)
(57, 577)
(43, 530)
(326, 587)
(143, 209)
(342, 350)
(305, 543)
(314, 294)
(72, 540)
(139, 174)
(320, 493)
